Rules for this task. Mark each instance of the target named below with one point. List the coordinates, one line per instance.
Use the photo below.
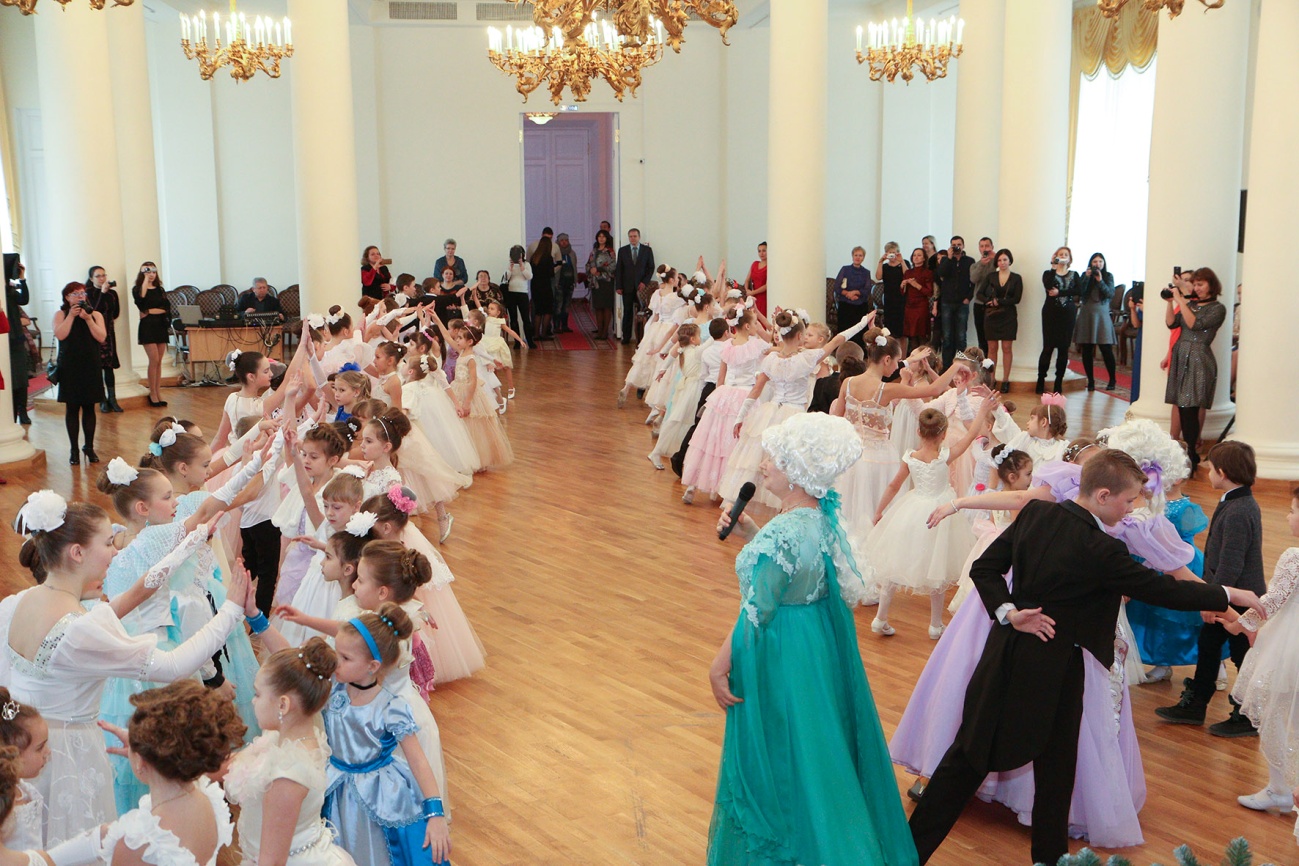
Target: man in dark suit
(1024, 702)
(17, 296)
(632, 273)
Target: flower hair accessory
(10, 711)
(881, 340)
(988, 364)
(734, 294)
(1053, 399)
(423, 363)
(335, 318)
(44, 511)
(750, 302)
(316, 321)
(360, 523)
(350, 367)
(353, 470)
(120, 472)
(804, 316)
(403, 503)
(1000, 457)
(735, 315)
(231, 358)
(813, 449)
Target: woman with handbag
(81, 334)
(600, 265)
(102, 297)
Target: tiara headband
(10, 711)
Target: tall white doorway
(569, 177)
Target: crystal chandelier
(900, 48)
(636, 20)
(601, 51)
(248, 48)
(27, 7)
(1111, 8)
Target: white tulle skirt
(432, 411)
(743, 461)
(453, 646)
(1267, 689)
(906, 554)
(77, 782)
(425, 472)
(315, 597)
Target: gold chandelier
(894, 48)
(601, 51)
(27, 7)
(249, 47)
(1111, 8)
(636, 20)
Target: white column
(796, 155)
(975, 188)
(1195, 180)
(142, 240)
(324, 156)
(1268, 414)
(1034, 157)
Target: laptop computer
(189, 314)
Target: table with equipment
(212, 343)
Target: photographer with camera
(1059, 315)
(102, 297)
(16, 296)
(1192, 370)
(81, 334)
(154, 330)
(954, 293)
(376, 279)
(888, 276)
(1095, 328)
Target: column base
(16, 453)
(1278, 461)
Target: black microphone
(746, 493)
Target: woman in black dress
(543, 287)
(1001, 292)
(154, 329)
(889, 273)
(81, 334)
(102, 297)
(1059, 314)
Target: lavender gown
(1110, 786)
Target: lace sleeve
(1284, 578)
(766, 566)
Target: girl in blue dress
(805, 776)
(387, 808)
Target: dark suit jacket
(1233, 552)
(1065, 564)
(628, 275)
(16, 297)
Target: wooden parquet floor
(592, 737)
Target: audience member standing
(376, 279)
(449, 259)
(852, 292)
(81, 334)
(954, 293)
(634, 270)
(154, 330)
(888, 272)
(600, 267)
(978, 272)
(1095, 328)
(516, 295)
(755, 284)
(918, 288)
(1001, 292)
(103, 299)
(16, 297)
(542, 260)
(1192, 369)
(565, 282)
(1059, 314)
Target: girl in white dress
(1044, 440)
(904, 552)
(789, 371)
(494, 329)
(999, 468)
(432, 479)
(13, 851)
(178, 735)
(279, 780)
(57, 656)
(252, 372)
(385, 384)
(424, 396)
(23, 731)
(473, 405)
(685, 396)
(311, 464)
(663, 305)
(868, 402)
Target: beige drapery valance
(7, 166)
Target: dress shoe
(112, 404)
(25, 420)
(1110, 386)
(1234, 726)
(1267, 800)
(881, 626)
(1091, 386)
(936, 631)
(1159, 674)
(91, 456)
(656, 462)
(444, 529)
(157, 403)
(917, 790)
(75, 458)
(1005, 387)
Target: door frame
(615, 175)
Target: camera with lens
(85, 306)
(1167, 294)
(112, 284)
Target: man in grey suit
(632, 273)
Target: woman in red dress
(755, 285)
(918, 286)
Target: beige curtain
(1112, 43)
(7, 167)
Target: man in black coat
(1025, 699)
(16, 297)
(634, 270)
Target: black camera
(85, 306)
(112, 284)
(1167, 294)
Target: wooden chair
(291, 307)
(229, 294)
(210, 302)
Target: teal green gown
(805, 776)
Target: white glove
(849, 333)
(744, 409)
(158, 575)
(239, 480)
(83, 849)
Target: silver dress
(1192, 371)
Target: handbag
(52, 371)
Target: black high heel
(75, 459)
(91, 456)
(157, 403)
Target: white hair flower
(881, 340)
(335, 318)
(361, 523)
(886, 332)
(804, 316)
(232, 357)
(43, 512)
(750, 302)
(699, 277)
(988, 363)
(734, 294)
(121, 472)
(316, 321)
(353, 470)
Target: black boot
(1040, 388)
(110, 395)
(75, 458)
(1236, 725)
(91, 456)
(104, 408)
(1187, 710)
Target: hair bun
(319, 657)
(393, 613)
